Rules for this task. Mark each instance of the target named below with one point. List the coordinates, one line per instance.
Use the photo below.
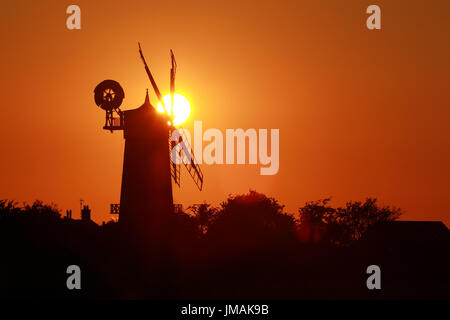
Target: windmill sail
(174, 168)
(152, 80)
(173, 71)
(191, 163)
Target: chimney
(86, 213)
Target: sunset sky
(361, 113)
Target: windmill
(146, 191)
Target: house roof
(411, 231)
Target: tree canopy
(344, 224)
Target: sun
(181, 108)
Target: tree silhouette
(9, 208)
(359, 216)
(39, 208)
(252, 219)
(343, 224)
(320, 222)
(204, 215)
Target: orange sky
(361, 113)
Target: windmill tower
(146, 192)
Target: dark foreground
(413, 257)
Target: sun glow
(181, 107)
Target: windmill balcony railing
(114, 123)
